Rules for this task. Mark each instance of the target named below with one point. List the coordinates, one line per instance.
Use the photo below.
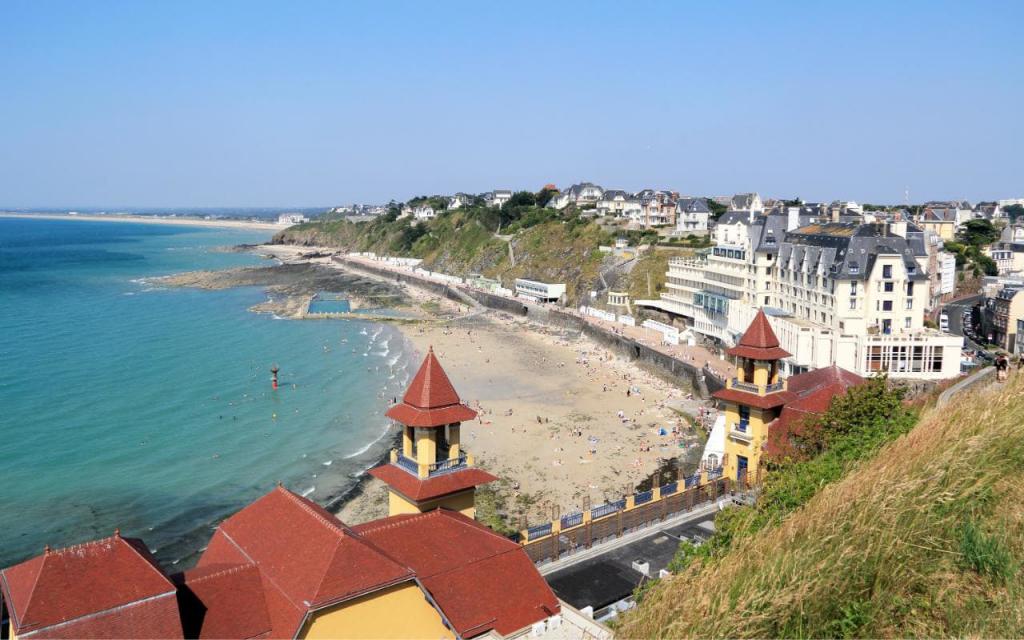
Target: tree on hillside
(544, 196)
(522, 199)
(716, 209)
(978, 233)
(795, 202)
(1014, 211)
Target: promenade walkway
(699, 356)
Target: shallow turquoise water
(128, 405)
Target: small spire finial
(430, 349)
(117, 533)
(46, 549)
(279, 483)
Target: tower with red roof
(431, 470)
(753, 398)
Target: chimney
(792, 218)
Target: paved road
(955, 311)
(604, 576)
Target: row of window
(736, 254)
(903, 359)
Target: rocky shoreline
(290, 287)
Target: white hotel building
(843, 293)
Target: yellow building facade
(752, 399)
(395, 613)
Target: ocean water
(127, 405)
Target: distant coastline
(179, 221)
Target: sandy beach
(187, 222)
(561, 419)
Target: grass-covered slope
(546, 245)
(923, 539)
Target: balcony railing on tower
(759, 389)
(433, 469)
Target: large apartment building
(836, 292)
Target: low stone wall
(501, 303)
(439, 288)
(680, 371)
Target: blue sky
(319, 103)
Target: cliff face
(462, 243)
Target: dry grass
(924, 540)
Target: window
(907, 322)
(887, 287)
(887, 305)
(853, 304)
(853, 287)
(887, 271)
(910, 303)
(910, 288)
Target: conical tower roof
(430, 400)
(759, 341)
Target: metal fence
(612, 520)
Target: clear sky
(176, 103)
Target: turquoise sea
(124, 404)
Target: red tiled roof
(430, 400)
(807, 384)
(155, 619)
(480, 580)
(769, 401)
(307, 558)
(223, 601)
(108, 584)
(419, 490)
(759, 341)
(813, 392)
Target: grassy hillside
(924, 538)
(648, 276)
(547, 245)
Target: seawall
(677, 371)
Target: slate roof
(845, 250)
(769, 231)
(430, 400)
(611, 194)
(110, 587)
(939, 214)
(735, 217)
(692, 205)
(575, 190)
(743, 201)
